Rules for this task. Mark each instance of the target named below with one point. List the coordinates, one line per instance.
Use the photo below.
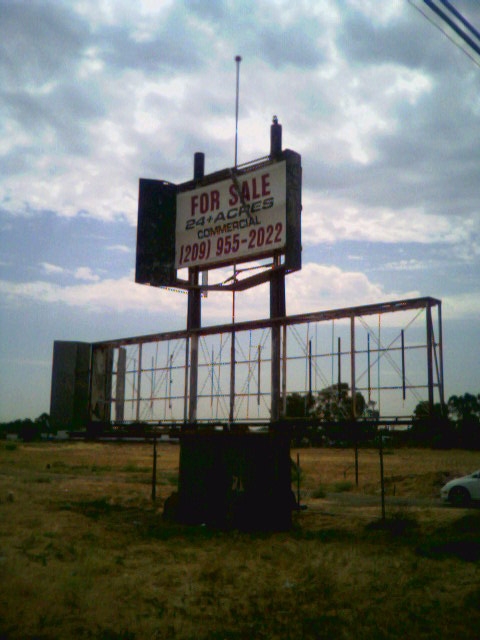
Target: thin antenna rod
(238, 59)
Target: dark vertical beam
(231, 413)
(259, 364)
(339, 364)
(277, 295)
(404, 387)
(275, 138)
(277, 310)
(120, 384)
(194, 309)
(309, 372)
(284, 369)
(430, 358)
(233, 357)
(139, 381)
(440, 350)
(154, 468)
(352, 367)
(382, 474)
(369, 383)
(185, 392)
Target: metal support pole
(194, 309)
(231, 414)
(277, 310)
(154, 468)
(139, 381)
(352, 367)
(238, 59)
(233, 356)
(369, 383)
(339, 367)
(356, 462)
(284, 369)
(430, 359)
(194, 301)
(185, 392)
(298, 479)
(404, 388)
(309, 372)
(440, 350)
(382, 477)
(259, 360)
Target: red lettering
(214, 200)
(204, 200)
(255, 193)
(194, 204)
(265, 184)
(245, 190)
(233, 195)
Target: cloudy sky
(94, 94)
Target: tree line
(332, 417)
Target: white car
(462, 491)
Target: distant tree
(26, 429)
(465, 413)
(29, 431)
(298, 405)
(335, 404)
(466, 407)
(43, 422)
(432, 428)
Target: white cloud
(329, 219)
(122, 248)
(51, 268)
(314, 288)
(317, 287)
(119, 295)
(463, 305)
(85, 273)
(406, 265)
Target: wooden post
(382, 479)
(298, 479)
(154, 468)
(356, 463)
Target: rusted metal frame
(435, 358)
(285, 321)
(318, 316)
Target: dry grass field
(84, 553)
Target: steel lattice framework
(391, 352)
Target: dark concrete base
(234, 480)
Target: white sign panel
(235, 219)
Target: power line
(443, 15)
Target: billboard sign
(228, 217)
(240, 218)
